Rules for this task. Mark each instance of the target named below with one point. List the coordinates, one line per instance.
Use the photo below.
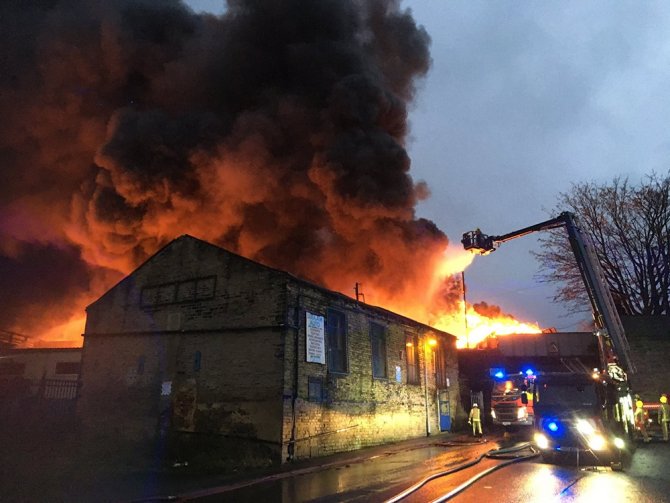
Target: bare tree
(630, 229)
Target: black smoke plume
(276, 130)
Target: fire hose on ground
(505, 453)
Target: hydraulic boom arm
(613, 345)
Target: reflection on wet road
(647, 479)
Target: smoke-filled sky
(276, 129)
(522, 100)
(341, 140)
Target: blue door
(445, 410)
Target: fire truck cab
(512, 398)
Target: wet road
(647, 479)
(378, 479)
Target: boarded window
(336, 329)
(186, 291)
(67, 368)
(179, 291)
(315, 389)
(411, 356)
(378, 341)
(204, 288)
(166, 294)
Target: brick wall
(649, 340)
(358, 409)
(230, 292)
(201, 365)
(201, 341)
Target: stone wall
(649, 340)
(199, 343)
(164, 353)
(357, 409)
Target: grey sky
(523, 99)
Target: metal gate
(445, 410)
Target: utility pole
(359, 293)
(465, 312)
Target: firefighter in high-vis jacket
(475, 419)
(641, 419)
(664, 415)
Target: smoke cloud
(276, 130)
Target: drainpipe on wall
(294, 391)
(425, 383)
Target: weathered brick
(235, 359)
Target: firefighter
(640, 420)
(664, 415)
(475, 419)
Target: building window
(197, 361)
(315, 389)
(411, 356)
(67, 368)
(440, 366)
(378, 340)
(336, 329)
(179, 291)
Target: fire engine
(512, 398)
(580, 412)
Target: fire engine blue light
(499, 375)
(552, 426)
(529, 372)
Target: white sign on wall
(315, 343)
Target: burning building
(218, 354)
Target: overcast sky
(522, 100)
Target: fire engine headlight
(541, 441)
(521, 413)
(597, 442)
(493, 413)
(585, 428)
(619, 443)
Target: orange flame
(480, 327)
(469, 326)
(64, 335)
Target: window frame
(440, 361)
(315, 383)
(337, 343)
(378, 350)
(412, 348)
